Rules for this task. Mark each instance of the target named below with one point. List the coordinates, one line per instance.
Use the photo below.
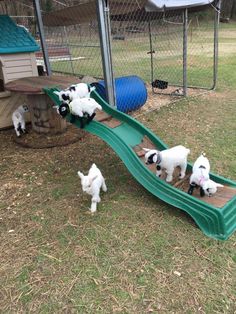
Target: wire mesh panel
(130, 48)
(75, 49)
(72, 49)
(149, 45)
(152, 45)
(201, 48)
(166, 33)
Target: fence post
(185, 51)
(42, 37)
(216, 42)
(105, 40)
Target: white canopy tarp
(161, 5)
(87, 11)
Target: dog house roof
(14, 38)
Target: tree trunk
(226, 8)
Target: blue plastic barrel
(131, 92)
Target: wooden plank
(219, 199)
(146, 143)
(216, 200)
(34, 85)
(112, 123)
(102, 116)
(226, 192)
(181, 181)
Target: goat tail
(203, 154)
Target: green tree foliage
(47, 5)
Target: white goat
(80, 107)
(80, 90)
(18, 119)
(200, 177)
(168, 159)
(91, 184)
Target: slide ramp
(215, 216)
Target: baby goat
(92, 183)
(168, 159)
(200, 177)
(80, 107)
(80, 90)
(18, 119)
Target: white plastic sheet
(161, 5)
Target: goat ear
(80, 174)
(146, 149)
(56, 92)
(219, 185)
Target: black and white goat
(200, 177)
(18, 119)
(80, 90)
(80, 107)
(168, 159)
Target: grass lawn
(136, 254)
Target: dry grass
(136, 255)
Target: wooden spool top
(34, 85)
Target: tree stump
(44, 118)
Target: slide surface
(215, 216)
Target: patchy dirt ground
(157, 99)
(35, 140)
(137, 254)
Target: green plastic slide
(215, 216)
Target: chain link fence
(149, 45)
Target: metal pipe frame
(42, 36)
(105, 40)
(151, 52)
(216, 44)
(185, 52)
